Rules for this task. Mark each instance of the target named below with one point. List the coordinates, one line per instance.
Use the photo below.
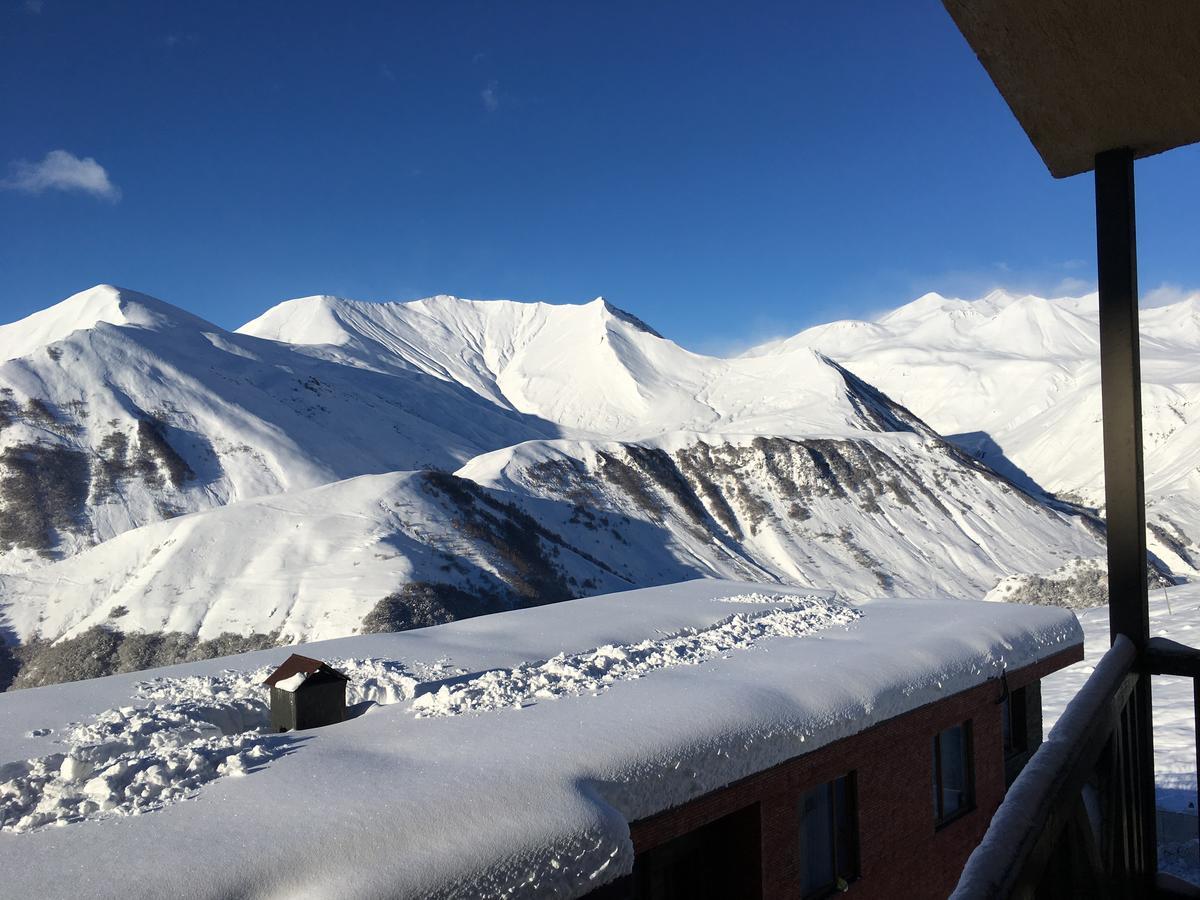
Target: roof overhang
(1086, 76)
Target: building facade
(893, 811)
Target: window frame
(847, 871)
(1014, 723)
(940, 818)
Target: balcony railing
(1074, 823)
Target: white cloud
(1166, 294)
(1073, 287)
(61, 171)
(491, 96)
(178, 39)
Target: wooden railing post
(1125, 504)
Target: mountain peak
(104, 304)
(627, 317)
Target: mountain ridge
(339, 465)
(1015, 379)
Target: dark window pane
(828, 837)
(937, 781)
(816, 836)
(1019, 720)
(845, 813)
(1006, 724)
(716, 861)
(952, 772)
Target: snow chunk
(292, 684)
(776, 599)
(593, 671)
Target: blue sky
(728, 172)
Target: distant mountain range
(1015, 380)
(336, 466)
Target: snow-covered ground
(501, 756)
(1175, 614)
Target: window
(717, 861)
(953, 776)
(1014, 723)
(828, 837)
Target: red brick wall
(901, 853)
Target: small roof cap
(305, 667)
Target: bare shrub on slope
(43, 489)
(420, 604)
(153, 444)
(1079, 585)
(513, 539)
(102, 650)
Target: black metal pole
(1125, 501)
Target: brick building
(856, 815)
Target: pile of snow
(179, 734)
(185, 732)
(292, 684)
(757, 598)
(595, 670)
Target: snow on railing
(1020, 841)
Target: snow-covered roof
(297, 669)
(506, 756)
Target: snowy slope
(882, 514)
(1017, 380)
(592, 369)
(312, 564)
(1174, 614)
(117, 410)
(893, 515)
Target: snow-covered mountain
(902, 513)
(592, 370)
(117, 410)
(336, 466)
(1016, 381)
